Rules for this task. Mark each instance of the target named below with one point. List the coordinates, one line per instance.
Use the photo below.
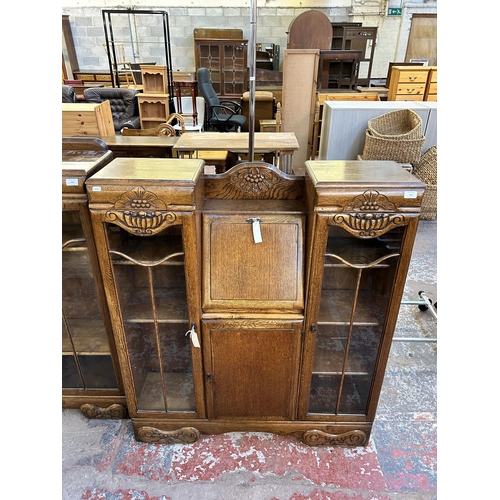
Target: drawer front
(413, 77)
(411, 89)
(85, 77)
(103, 78)
(433, 88)
(409, 97)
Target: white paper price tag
(71, 182)
(257, 236)
(193, 336)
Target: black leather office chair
(124, 107)
(221, 115)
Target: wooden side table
(190, 84)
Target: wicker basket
(399, 150)
(426, 171)
(401, 124)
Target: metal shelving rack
(111, 39)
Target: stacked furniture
(413, 83)
(154, 102)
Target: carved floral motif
(319, 438)
(185, 435)
(114, 411)
(254, 181)
(140, 212)
(368, 215)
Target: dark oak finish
(226, 60)
(254, 300)
(90, 372)
(338, 69)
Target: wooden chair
(163, 129)
(123, 67)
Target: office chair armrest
(223, 110)
(232, 104)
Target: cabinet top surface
(82, 162)
(155, 169)
(348, 172)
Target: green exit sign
(394, 11)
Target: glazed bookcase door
(347, 339)
(161, 338)
(87, 363)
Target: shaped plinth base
(320, 438)
(114, 411)
(184, 435)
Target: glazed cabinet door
(154, 314)
(354, 302)
(251, 368)
(88, 367)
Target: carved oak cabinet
(253, 300)
(91, 378)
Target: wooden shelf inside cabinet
(178, 386)
(336, 308)
(329, 355)
(88, 337)
(170, 306)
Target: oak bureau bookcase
(253, 300)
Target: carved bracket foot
(185, 435)
(319, 438)
(112, 411)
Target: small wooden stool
(217, 158)
(267, 125)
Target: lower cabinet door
(252, 368)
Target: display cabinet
(226, 60)
(91, 378)
(253, 300)
(364, 219)
(146, 226)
